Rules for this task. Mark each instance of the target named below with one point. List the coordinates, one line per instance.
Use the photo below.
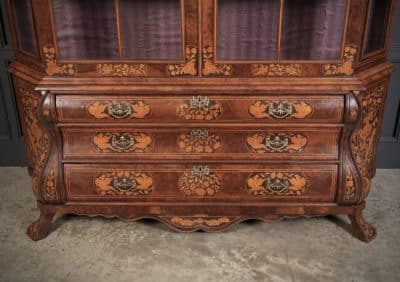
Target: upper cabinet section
(266, 30)
(203, 38)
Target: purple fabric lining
(151, 29)
(25, 26)
(86, 29)
(312, 29)
(247, 30)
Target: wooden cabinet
(201, 113)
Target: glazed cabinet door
(120, 38)
(273, 38)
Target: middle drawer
(200, 143)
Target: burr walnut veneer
(201, 113)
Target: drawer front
(167, 109)
(196, 183)
(125, 144)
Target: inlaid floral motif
(344, 68)
(119, 110)
(189, 67)
(124, 183)
(277, 184)
(199, 182)
(51, 65)
(122, 70)
(199, 141)
(212, 69)
(364, 140)
(50, 191)
(281, 110)
(122, 142)
(37, 139)
(200, 221)
(350, 187)
(264, 70)
(276, 142)
(199, 108)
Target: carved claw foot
(40, 228)
(362, 229)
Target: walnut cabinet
(201, 113)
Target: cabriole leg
(40, 228)
(361, 229)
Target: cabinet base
(190, 217)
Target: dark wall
(12, 151)
(389, 149)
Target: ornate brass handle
(120, 110)
(199, 133)
(277, 185)
(200, 170)
(280, 110)
(124, 184)
(275, 143)
(122, 143)
(200, 102)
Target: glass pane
(312, 29)
(377, 24)
(25, 27)
(86, 29)
(247, 29)
(151, 29)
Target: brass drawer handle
(277, 185)
(276, 143)
(201, 133)
(122, 143)
(200, 102)
(124, 184)
(280, 110)
(120, 110)
(200, 171)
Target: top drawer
(167, 109)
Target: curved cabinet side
(36, 138)
(364, 140)
(51, 175)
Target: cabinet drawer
(170, 109)
(239, 183)
(126, 144)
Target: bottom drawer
(201, 183)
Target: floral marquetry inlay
(364, 140)
(350, 187)
(124, 183)
(199, 182)
(123, 142)
(51, 65)
(280, 110)
(264, 70)
(276, 142)
(344, 68)
(122, 70)
(199, 141)
(190, 65)
(119, 110)
(37, 139)
(212, 69)
(277, 184)
(199, 108)
(200, 221)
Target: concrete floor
(84, 249)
